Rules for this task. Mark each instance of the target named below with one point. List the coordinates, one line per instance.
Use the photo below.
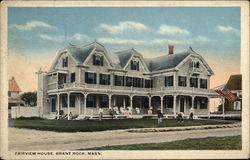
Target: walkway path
(26, 139)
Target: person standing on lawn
(159, 114)
(180, 117)
(100, 114)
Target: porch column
(58, 106)
(161, 104)
(174, 104)
(149, 101)
(85, 103)
(192, 102)
(124, 102)
(110, 98)
(115, 101)
(131, 101)
(68, 104)
(97, 101)
(79, 103)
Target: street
(26, 139)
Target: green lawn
(210, 143)
(95, 125)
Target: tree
(30, 98)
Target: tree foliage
(30, 98)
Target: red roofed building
(13, 94)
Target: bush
(29, 118)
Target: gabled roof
(125, 55)
(13, 86)
(81, 53)
(234, 82)
(119, 59)
(167, 61)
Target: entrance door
(53, 105)
(182, 104)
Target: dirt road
(25, 139)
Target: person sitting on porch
(191, 114)
(180, 117)
(150, 111)
(116, 110)
(137, 110)
(111, 112)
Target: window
(239, 95)
(134, 65)
(65, 62)
(103, 101)
(72, 100)
(72, 77)
(91, 101)
(147, 83)
(104, 79)
(182, 81)
(203, 103)
(9, 94)
(168, 102)
(169, 81)
(129, 81)
(90, 78)
(119, 80)
(194, 82)
(194, 64)
(64, 101)
(237, 105)
(97, 60)
(137, 82)
(203, 83)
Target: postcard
(124, 79)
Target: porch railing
(125, 88)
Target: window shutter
(93, 59)
(94, 78)
(131, 65)
(197, 65)
(108, 79)
(137, 66)
(101, 63)
(86, 77)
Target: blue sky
(36, 34)
(210, 30)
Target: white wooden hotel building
(83, 79)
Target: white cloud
(80, 37)
(121, 27)
(31, 25)
(120, 41)
(172, 30)
(53, 38)
(169, 41)
(156, 41)
(228, 29)
(201, 38)
(60, 38)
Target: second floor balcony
(112, 88)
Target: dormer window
(194, 64)
(65, 62)
(134, 65)
(97, 60)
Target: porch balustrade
(188, 90)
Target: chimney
(170, 49)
